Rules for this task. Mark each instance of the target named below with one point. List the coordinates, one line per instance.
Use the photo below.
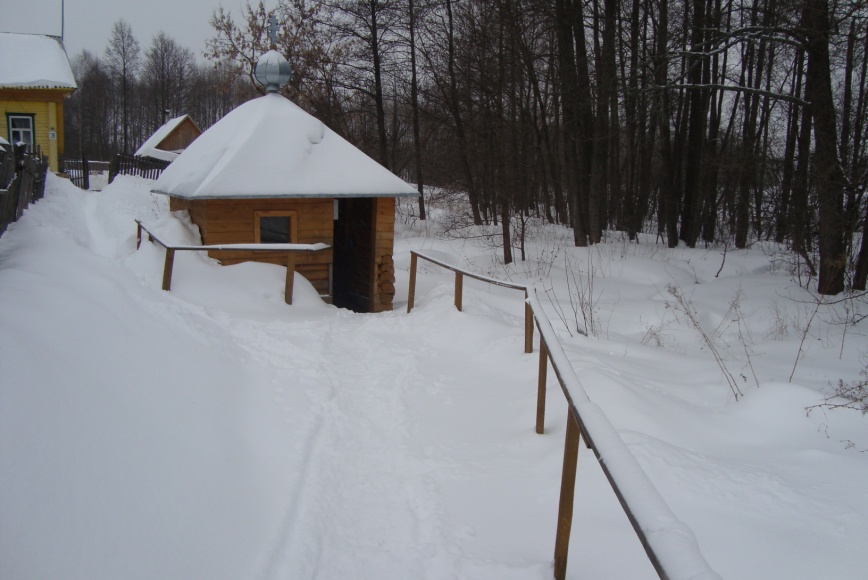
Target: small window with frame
(21, 129)
(275, 227)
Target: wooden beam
(167, 268)
(528, 326)
(459, 290)
(541, 387)
(411, 292)
(568, 490)
(290, 277)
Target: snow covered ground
(215, 432)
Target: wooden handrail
(669, 543)
(289, 249)
(459, 291)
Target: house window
(275, 227)
(21, 129)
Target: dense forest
(701, 121)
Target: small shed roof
(150, 148)
(270, 147)
(34, 61)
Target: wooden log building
(170, 139)
(268, 172)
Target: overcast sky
(89, 22)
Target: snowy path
(373, 480)
(358, 466)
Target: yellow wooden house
(35, 77)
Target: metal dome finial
(272, 69)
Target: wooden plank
(305, 231)
(290, 277)
(323, 257)
(459, 290)
(215, 238)
(241, 207)
(167, 269)
(568, 491)
(221, 227)
(411, 292)
(528, 326)
(38, 96)
(541, 387)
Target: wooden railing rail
(289, 249)
(459, 291)
(669, 543)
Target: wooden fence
(146, 167)
(78, 170)
(669, 543)
(22, 181)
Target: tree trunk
(414, 103)
(829, 176)
(378, 87)
(564, 14)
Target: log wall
(232, 221)
(384, 243)
(185, 133)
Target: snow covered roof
(34, 61)
(270, 147)
(150, 147)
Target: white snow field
(215, 432)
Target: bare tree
(167, 78)
(122, 57)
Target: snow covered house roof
(270, 148)
(151, 147)
(34, 61)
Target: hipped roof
(34, 61)
(271, 148)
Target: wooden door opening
(353, 271)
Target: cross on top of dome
(272, 69)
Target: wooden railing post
(459, 290)
(138, 234)
(541, 386)
(568, 490)
(411, 292)
(167, 268)
(528, 325)
(290, 277)
(85, 173)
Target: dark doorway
(353, 273)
